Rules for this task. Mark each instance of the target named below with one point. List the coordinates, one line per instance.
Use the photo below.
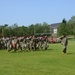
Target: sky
(27, 12)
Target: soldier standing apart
(64, 42)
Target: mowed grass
(49, 62)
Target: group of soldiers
(29, 43)
(24, 43)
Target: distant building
(54, 28)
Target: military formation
(24, 43)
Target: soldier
(44, 42)
(64, 42)
(9, 46)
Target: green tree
(71, 23)
(46, 27)
(63, 28)
(31, 29)
(42, 28)
(22, 31)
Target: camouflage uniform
(64, 42)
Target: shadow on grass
(17, 51)
(20, 51)
(50, 49)
(70, 53)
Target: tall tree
(71, 23)
(63, 28)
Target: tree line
(15, 30)
(66, 27)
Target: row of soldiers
(24, 43)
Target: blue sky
(27, 12)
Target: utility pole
(2, 32)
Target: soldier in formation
(31, 43)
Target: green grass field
(49, 62)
